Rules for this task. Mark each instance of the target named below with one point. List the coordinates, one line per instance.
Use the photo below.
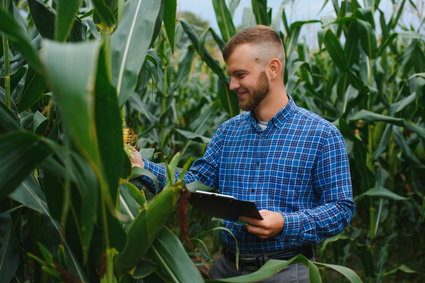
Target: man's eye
(240, 75)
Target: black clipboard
(223, 206)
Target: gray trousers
(224, 268)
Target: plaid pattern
(298, 166)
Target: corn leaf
(143, 269)
(349, 274)
(184, 69)
(205, 55)
(108, 125)
(11, 30)
(381, 192)
(20, 153)
(198, 186)
(335, 50)
(220, 42)
(383, 142)
(339, 237)
(71, 73)
(44, 19)
(224, 19)
(404, 145)
(171, 169)
(259, 8)
(8, 121)
(396, 16)
(31, 147)
(233, 4)
(169, 254)
(88, 189)
(351, 43)
(385, 43)
(272, 267)
(39, 123)
(366, 14)
(104, 13)
(30, 194)
(371, 116)
(130, 43)
(158, 23)
(34, 86)
(66, 12)
(131, 199)
(402, 268)
(367, 38)
(9, 248)
(419, 130)
(170, 20)
(400, 105)
(193, 136)
(145, 228)
(137, 172)
(228, 98)
(51, 184)
(295, 29)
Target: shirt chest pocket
(289, 184)
(292, 172)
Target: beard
(256, 95)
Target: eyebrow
(236, 71)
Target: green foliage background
(74, 72)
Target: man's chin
(246, 107)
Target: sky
(296, 10)
(300, 10)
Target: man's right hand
(136, 159)
(270, 226)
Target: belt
(252, 263)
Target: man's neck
(271, 105)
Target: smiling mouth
(241, 93)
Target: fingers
(136, 160)
(132, 148)
(260, 232)
(251, 221)
(268, 227)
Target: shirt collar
(279, 119)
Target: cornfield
(75, 73)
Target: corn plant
(74, 73)
(68, 68)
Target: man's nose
(234, 84)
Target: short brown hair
(255, 34)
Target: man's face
(255, 95)
(248, 78)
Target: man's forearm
(314, 225)
(158, 171)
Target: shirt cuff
(292, 224)
(158, 171)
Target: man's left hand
(268, 227)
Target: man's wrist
(291, 224)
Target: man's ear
(274, 68)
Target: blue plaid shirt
(297, 166)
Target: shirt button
(252, 190)
(257, 163)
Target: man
(289, 161)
